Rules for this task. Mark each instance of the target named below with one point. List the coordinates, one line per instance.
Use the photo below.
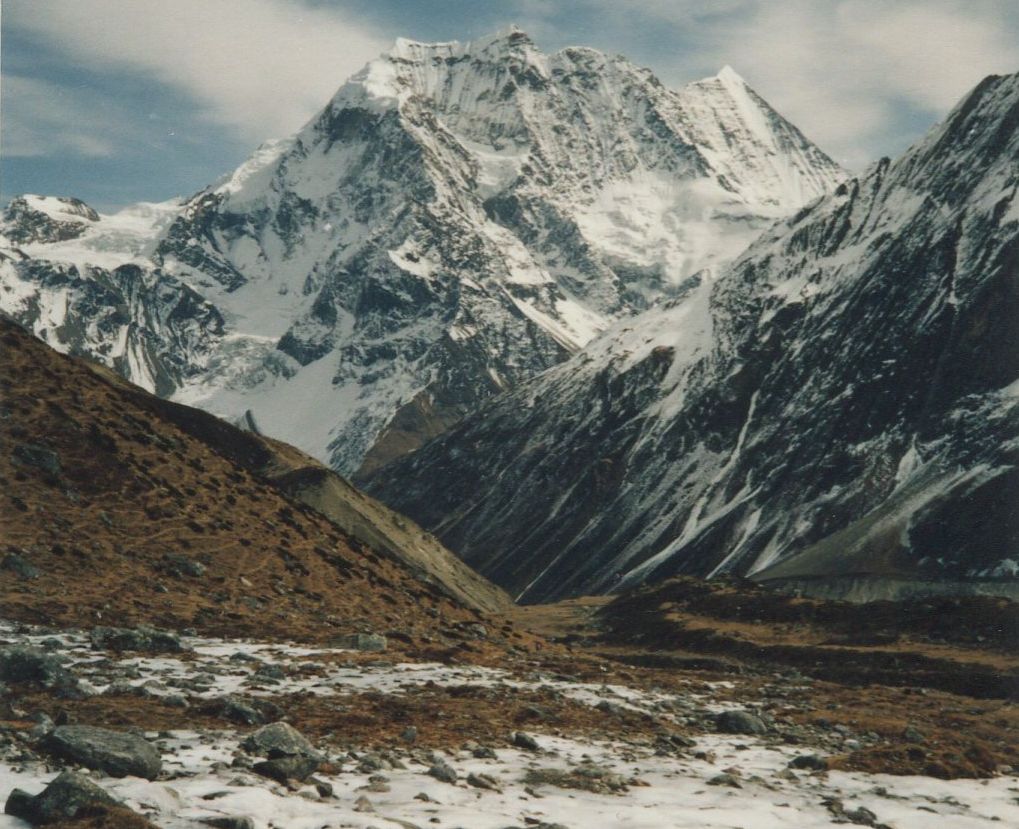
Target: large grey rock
(116, 753)
(20, 664)
(63, 799)
(290, 755)
(740, 722)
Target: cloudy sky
(117, 101)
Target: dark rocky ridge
(853, 411)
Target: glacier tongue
(459, 217)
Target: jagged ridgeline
(841, 406)
(459, 218)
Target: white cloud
(860, 77)
(854, 74)
(845, 71)
(43, 119)
(262, 67)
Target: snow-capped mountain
(843, 401)
(459, 218)
(83, 282)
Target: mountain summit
(459, 218)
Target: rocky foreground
(135, 727)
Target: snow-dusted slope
(842, 401)
(457, 219)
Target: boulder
(116, 753)
(443, 771)
(740, 722)
(525, 741)
(63, 799)
(28, 665)
(809, 762)
(290, 755)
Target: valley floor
(567, 740)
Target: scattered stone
(116, 753)
(363, 804)
(291, 756)
(485, 753)
(483, 781)
(525, 741)
(38, 457)
(740, 722)
(812, 762)
(324, 789)
(371, 642)
(142, 638)
(229, 822)
(378, 783)
(911, 735)
(443, 772)
(595, 779)
(730, 780)
(242, 710)
(63, 799)
(19, 664)
(178, 566)
(20, 566)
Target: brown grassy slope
(374, 524)
(134, 489)
(304, 479)
(962, 644)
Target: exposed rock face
(842, 401)
(459, 218)
(141, 322)
(47, 219)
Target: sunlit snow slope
(457, 219)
